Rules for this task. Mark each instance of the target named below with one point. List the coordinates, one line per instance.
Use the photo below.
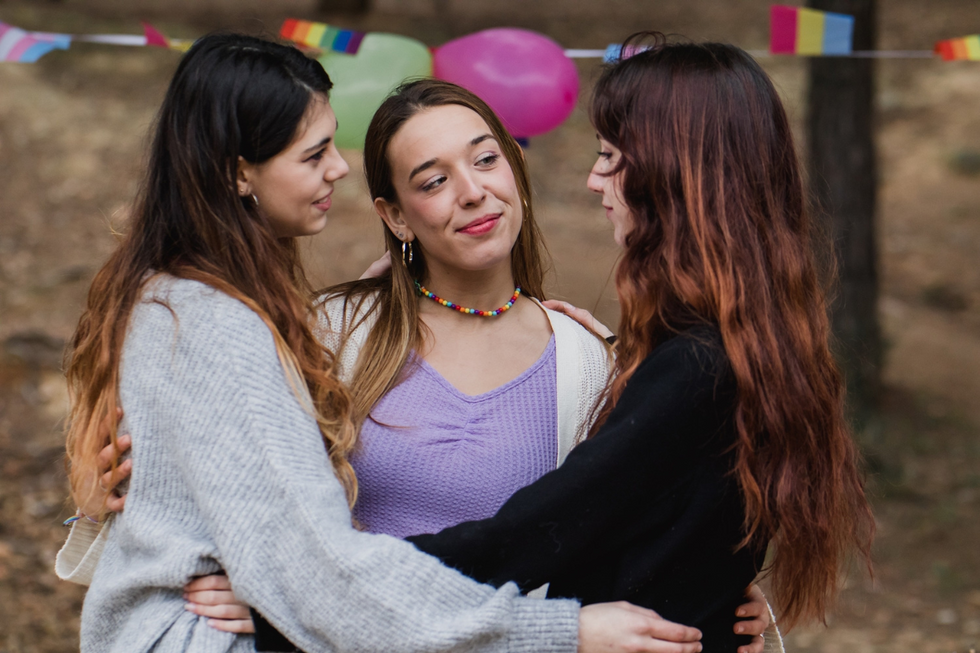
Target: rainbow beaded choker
(469, 311)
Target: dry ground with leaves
(72, 131)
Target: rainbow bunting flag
(966, 48)
(321, 36)
(796, 30)
(27, 47)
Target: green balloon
(361, 82)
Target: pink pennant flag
(154, 38)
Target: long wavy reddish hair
(721, 235)
(232, 97)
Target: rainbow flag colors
(27, 47)
(966, 48)
(321, 36)
(808, 32)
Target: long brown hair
(232, 96)
(392, 299)
(721, 235)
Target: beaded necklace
(469, 311)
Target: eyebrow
(323, 142)
(431, 162)
(317, 146)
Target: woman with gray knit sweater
(199, 325)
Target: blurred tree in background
(344, 6)
(843, 176)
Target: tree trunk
(843, 176)
(344, 6)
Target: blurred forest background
(72, 134)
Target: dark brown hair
(232, 96)
(393, 297)
(721, 235)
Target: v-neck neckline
(530, 370)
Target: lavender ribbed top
(431, 457)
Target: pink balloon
(525, 77)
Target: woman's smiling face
(456, 194)
(293, 188)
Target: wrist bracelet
(79, 515)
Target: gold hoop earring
(407, 253)
(255, 199)
(527, 208)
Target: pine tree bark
(843, 177)
(344, 6)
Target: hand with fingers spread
(622, 626)
(103, 491)
(754, 617)
(580, 315)
(212, 597)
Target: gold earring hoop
(255, 199)
(407, 253)
(527, 207)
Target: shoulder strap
(568, 362)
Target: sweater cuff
(544, 626)
(80, 554)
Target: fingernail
(740, 613)
(739, 629)
(189, 607)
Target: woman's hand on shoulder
(378, 268)
(580, 315)
(755, 620)
(622, 626)
(212, 597)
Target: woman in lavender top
(458, 410)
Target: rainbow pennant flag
(27, 47)
(796, 30)
(966, 48)
(321, 36)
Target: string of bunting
(526, 77)
(20, 46)
(795, 31)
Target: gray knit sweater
(231, 473)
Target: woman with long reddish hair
(723, 433)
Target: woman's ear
(243, 177)
(392, 216)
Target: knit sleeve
(342, 326)
(261, 489)
(78, 557)
(658, 431)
